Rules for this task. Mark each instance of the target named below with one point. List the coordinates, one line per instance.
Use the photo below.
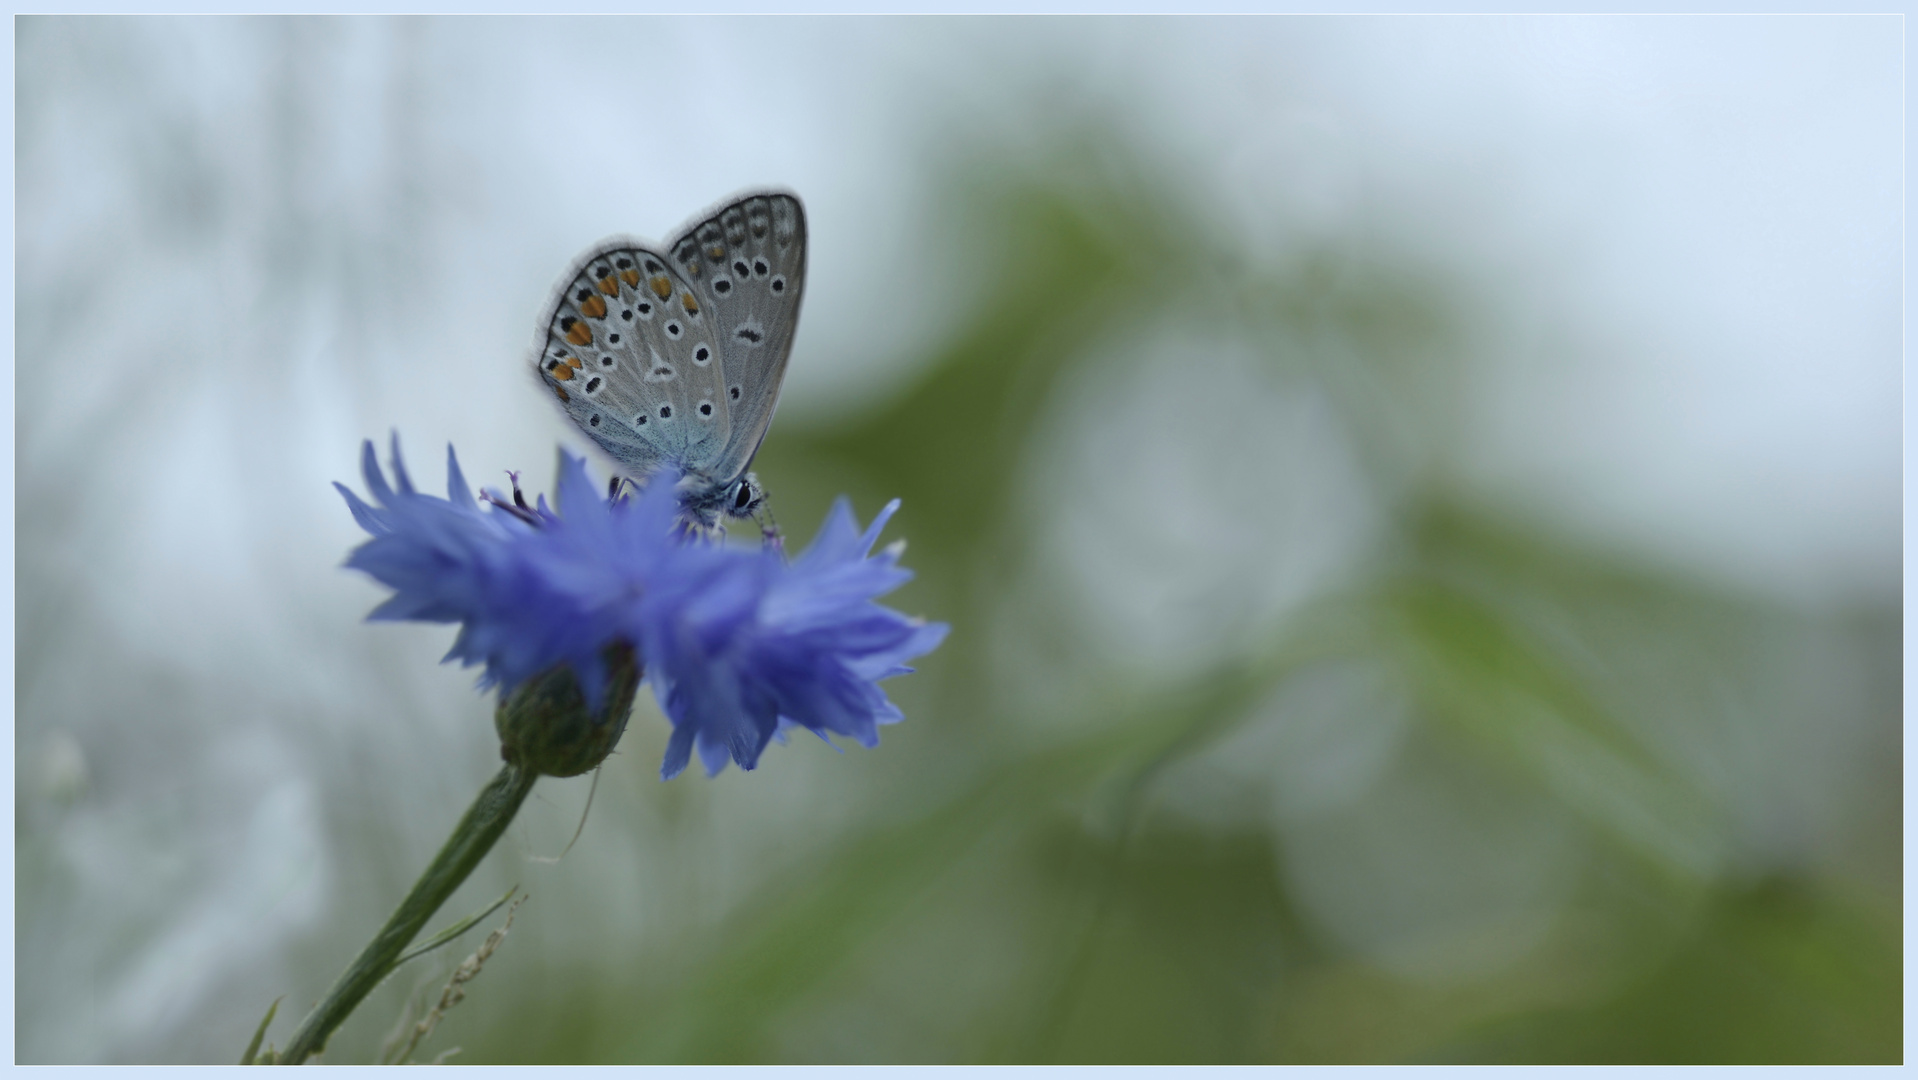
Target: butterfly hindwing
(747, 263)
(630, 351)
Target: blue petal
(364, 515)
(457, 492)
(577, 494)
(714, 754)
(837, 541)
(679, 750)
(878, 525)
(375, 480)
(404, 482)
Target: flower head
(737, 644)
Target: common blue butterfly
(674, 357)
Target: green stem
(471, 840)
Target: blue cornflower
(737, 644)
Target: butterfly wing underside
(631, 353)
(677, 357)
(747, 262)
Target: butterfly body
(673, 356)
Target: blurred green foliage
(1027, 895)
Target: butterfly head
(707, 502)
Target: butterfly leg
(768, 528)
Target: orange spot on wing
(592, 307)
(609, 285)
(692, 306)
(716, 252)
(561, 391)
(662, 286)
(631, 277)
(579, 335)
(563, 373)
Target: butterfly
(673, 357)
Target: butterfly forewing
(631, 353)
(747, 263)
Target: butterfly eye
(743, 497)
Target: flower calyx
(544, 724)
